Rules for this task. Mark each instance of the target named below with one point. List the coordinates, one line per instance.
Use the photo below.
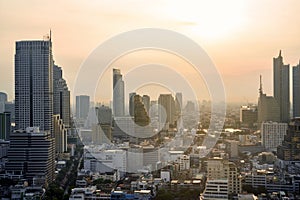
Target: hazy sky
(241, 37)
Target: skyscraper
(167, 103)
(118, 94)
(289, 150)
(34, 84)
(61, 96)
(82, 106)
(296, 91)
(281, 87)
(268, 108)
(146, 102)
(131, 103)
(3, 100)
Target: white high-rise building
(34, 84)
(272, 134)
(118, 94)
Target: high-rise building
(34, 84)
(123, 127)
(281, 84)
(5, 125)
(268, 108)
(61, 96)
(141, 117)
(272, 134)
(82, 107)
(118, 94)
(178, 103)
(289, 150)
(146, 102)
(296, 91)
(102, 132)
(131, 103)
(248, 115)
(60, 133)
(31, 156)
(167, 109)
(3, 97)
(219, 169)
(3, 100)
(10, 107)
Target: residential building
(272, 134)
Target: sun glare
(210, 19)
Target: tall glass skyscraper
(281, 87)
(34, 84)
(118, 93)
(296, 91)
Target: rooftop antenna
(260, 85)
(279, 53)
(50, 35)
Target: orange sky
(241, 37)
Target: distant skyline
(241, 37)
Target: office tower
(289, 150)
(141, 117)
(131, 103)
(31, 156)
(281, 81)
(146, 102)
(61, 96)
(190, 107)
(142, 128)
(153, 112)
(296, 91)
(82, 107)
(103, 130)
(3, 100)
(60, 133)
(34, 84)
(5, 125)
(178, 103)
(167, 107)
(272, 134)
(118, 94)
(10, 107)
(248, 115)
(268, 108)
